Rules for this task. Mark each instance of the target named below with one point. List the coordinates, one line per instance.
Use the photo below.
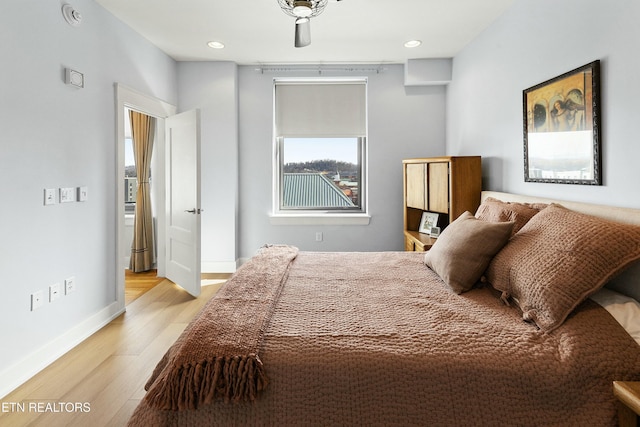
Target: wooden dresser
(446, 185)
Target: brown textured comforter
(217, 356)
(377, 339)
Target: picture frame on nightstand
(428, 221)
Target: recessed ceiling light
(216, 45)
(412, 43)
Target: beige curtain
(142, 253)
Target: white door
(183, 200)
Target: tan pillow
(464, 249)
(558, 259)
(494, 210)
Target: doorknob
(195, 211)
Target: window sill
(319, 219)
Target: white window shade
(320, 109)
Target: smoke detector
(72, 16)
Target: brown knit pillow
(464, 249)
(494, 210)
(558, 259)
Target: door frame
(127, 97)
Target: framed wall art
(562, 130)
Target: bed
(523, 330)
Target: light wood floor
(136, 284)
(106, 373)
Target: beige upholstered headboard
(626, 215)
(628, 282)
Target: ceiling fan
(303, 11)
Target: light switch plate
(67, 194)
(83, 194)
(37, 300)
(49, 196)
(54, 292)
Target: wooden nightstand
(414, 241)
(447, 186)
(628, 394)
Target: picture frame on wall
(562, 128)
(428, 221)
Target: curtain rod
(319, 69)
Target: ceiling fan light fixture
(302, 9)
(303, 32)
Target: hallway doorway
(136, 284)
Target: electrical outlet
(37, 300)
(54, 292)
(69, 285)
(318, 236)
(67, 194)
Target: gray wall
(212, 87)
(54, 135)
(403, 122)
(531, 43)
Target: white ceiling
(348, 31)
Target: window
(130, 179)
(321, 174)
(320, 145)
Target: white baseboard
(20, 372)
(218, 266)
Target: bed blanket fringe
(216, 357)
(234, 379)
